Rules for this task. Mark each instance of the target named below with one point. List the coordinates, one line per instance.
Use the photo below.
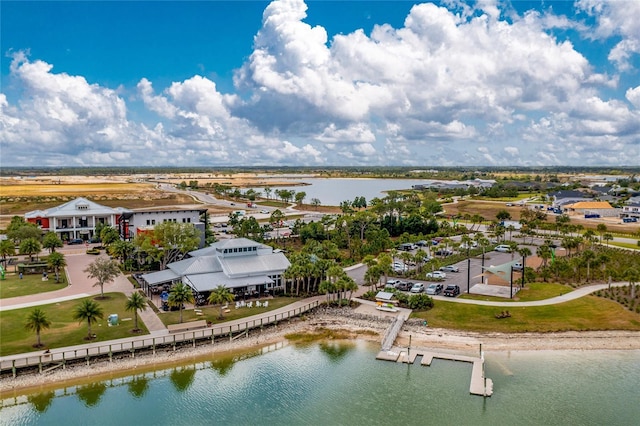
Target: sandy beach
(346, 325)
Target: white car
(450, 268)
(436, 274)
(264, 211)
(503, 248)
(417, 288)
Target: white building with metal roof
(242, 265)
(75, 219)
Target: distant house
(76, 219)
(563, 198)
(242, 265)
(600, 208)
(631, 210)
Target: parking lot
(469, 280)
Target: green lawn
(211, 313)
(13, 286)
(587, 313)
(64, 330)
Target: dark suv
(404, 286)
(452, 290)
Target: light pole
(468, 272)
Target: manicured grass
(13, 286)
(64, 330)
(211, 313)
(533, 291)
(587, 313)
(624, 245)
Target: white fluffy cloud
(449, 87)
(616, 18)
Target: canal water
(341, 383)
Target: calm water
(342, 384)
(331, 192)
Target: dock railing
(58, 358)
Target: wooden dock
(480, 385)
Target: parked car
(444, 252)
(465, 246)
(436, 274)
(422, 243)
(263, 211)
(76, 241)
(406, 247)
(517, 266)
(450, 268)
(392, 283)
(452, 290)
(434, 289)
(417, 288)
(404, 286)
(503, 248)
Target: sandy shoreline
(353, 327)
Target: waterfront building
(244, 266)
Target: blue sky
(245, 83)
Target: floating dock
(480, 385)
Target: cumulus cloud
(619, 18)
(469, 83)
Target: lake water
(333, 191)
(342, 384)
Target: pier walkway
(480, 385)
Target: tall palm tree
(7, 248)
(56, 261)
(37, 321)
(179, 295)
(88, 311)
(136, 302)
(588, 256)
(30, 247)
(220, 296)
(524, 252)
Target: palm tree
(88, 311)
(633, 275)
(7, 248)
(56, 261)
(122, 250)
(524, 252)
(104, 271)
(179, 295)
(30, 246)
(588, 256)
(51, 241)
(37, 321)
(220, 296)
(136, 302)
